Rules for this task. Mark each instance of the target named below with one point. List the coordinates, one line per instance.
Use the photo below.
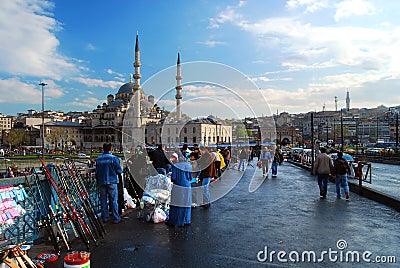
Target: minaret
(336, 100)
(136, 86)
(348, 100)
(178, 88)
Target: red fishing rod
(77, 220)
(83, 194)
(70, 181)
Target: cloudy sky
(299, 54)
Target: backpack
(341, 166)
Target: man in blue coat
(107, 170)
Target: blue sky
(299, 53)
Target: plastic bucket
(77, 260)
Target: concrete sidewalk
(284, 214)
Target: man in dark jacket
(160, 161)
(207, 172)
(341, 169)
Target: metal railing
(25, 227)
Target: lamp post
(341, 129)
(42, 84)
(397, 131)
(312, 142)
(327, 135)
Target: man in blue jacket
(107, 170)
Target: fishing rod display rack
(25, 227)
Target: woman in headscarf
(181, 195)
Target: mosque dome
(126, 88)
(151, 99)
(146, 104)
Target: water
(385, 178)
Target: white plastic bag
(159, 215)
(128, 199)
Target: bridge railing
(25, 227)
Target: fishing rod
(69, 187)
(77, 179)
(71, 212)
(70, 184)
(60, 210)
(57, 217)
(45, 217)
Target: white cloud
(91, 82)
(90, 46)
(110, 71)
(303, 45)
(349, 8)
(27, 93)
(211, 43)
(311, 6)
(227, 15)
(28, 41)
(90, 103)
(266, 79)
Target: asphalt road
(248, 229)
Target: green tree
(241, 132)
(249, 133)
(16, 137)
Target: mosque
(135, 118)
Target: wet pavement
(284, 214)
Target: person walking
(107, 170)
(278, 159)
(217, 162)
(207, 172)
(341, 169)
(322, 168)
(265, 157)
(227, 157)
(243, 156)
(222, 164)
(194, 156)
(181, 194)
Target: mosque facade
(132, 118)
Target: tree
(55, 136)
(241, 132)
(184, 117)
(249, 133)
(15, 137)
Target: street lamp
(341, 129)
(42, 84)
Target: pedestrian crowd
(187, 168)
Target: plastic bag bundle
(128, 199)
(158, 182)
(159, 215)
